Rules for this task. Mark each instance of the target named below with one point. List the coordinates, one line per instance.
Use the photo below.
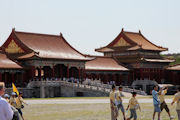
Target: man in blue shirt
(156, 101)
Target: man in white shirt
(6, 112)
(114, 110)
(163, 104)
(119, 101)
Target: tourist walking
(12, 100)
(114, 110)
(133, 105)
(120, 102)
(163, 104)
(6, 96)
(19, 104)
(156, 101)
(177, 100)
(6, 112)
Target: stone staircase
(70, 89)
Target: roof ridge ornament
(37, 53)
(139, 31)
(122, 30)
(13, 29)
(61, 35)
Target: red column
(114, 78)
(98, 76)
(129, 77)
(79, 72)
(90, 76)
(142, 73)
(0, 77)
(120, 79)
(53, 75)
(33, 71)
(12, 75)
(84, 74)
(159, 75)
(173, 77)
(140, 70)
(67, 71)
(162, 74)
(40, 73)
(133, 75)
(149, 72)
(23, 77)
(5, 79)
(106, 78)
(61, 75)
(71, 73)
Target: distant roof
(46, 46)
(6, 63)
(104, 64)
(159, 60)
(132, 41)
(175, 67)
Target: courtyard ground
(85, 109)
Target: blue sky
(90, 24)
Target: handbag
(22, 106)
(136, 106)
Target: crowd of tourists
(159, 103)
(10, 106)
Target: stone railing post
(42, 90)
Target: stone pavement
(84, 101)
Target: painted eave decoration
(121, 43)
(13, 48)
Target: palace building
(140, 55)
(106, 69)
(130, 59)
(10, 71)
(45, 57)
(173, 74)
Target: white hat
(6, 95)
(13, 93)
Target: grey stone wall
(61, 91)
(70, 91)
(27, 92)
